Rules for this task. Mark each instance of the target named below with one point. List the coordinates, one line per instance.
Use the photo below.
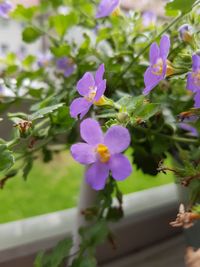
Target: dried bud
(185, 219)
(24, 127)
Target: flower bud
(185, 32)
(24, 128)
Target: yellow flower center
(158, 68)
(116, 12)
(196, 78)
(187, 37)
(103, 153)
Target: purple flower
(148, 18)
(159, 65)
(66, 65)
(44, 60)
(187, 127)
(185, 32)
(197, 100)
(102, 153)
(193, 79)
(91, 89)
(5, 8)
(106, 7)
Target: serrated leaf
(30, 34)
(44, 111)
(6, 158)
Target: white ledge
(26, 237)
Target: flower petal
(91, 132)
(84, 84)
(96, 175)
(196, 63)
(99, 74)
(100, 90)
(79, 106)
(83, 153)
(191, 85)
(164, 46)
(120, 167)
(154, 53)
(150, 80)
(117, 139)
(106, 7)
(197, 100)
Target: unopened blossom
(159, 67)
(185, 219)
(91, 90)
(185, 32)
(44, 60)
(5, 8)
(193, 80)
(149, 19)
(190, 129)
(102, 153)
(107, 7)
(65, 65)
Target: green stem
(172, 137)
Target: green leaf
(28, 61)
(24, 14)
(6, 158)
(184, 6)
(27, 168)
(60, 51)
(30, 34)
(62, 23)
(94, 235)
(44, 111)
(56, 257)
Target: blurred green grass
(55, 186)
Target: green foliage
(6, 158)
(184, 6)
(30, 34)
(57, 256)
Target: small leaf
(6, 158)
(174, 7)
(60, 51)
(30, 34)
(44, 111)
(62, 23)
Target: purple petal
(151, 80)
(99, 74)
(120, 167)
(5, 8)
(84, 84)
(79, 106)
(68, 72)
(117, 139)
(148, 18)
(191, 84)
(154, 53)
(96, 175)
(164, 46)
(187, 127)
(100, 90)
(197, 100)
(91, 132)
(196, 63)
(106, 7)
(83, 153)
